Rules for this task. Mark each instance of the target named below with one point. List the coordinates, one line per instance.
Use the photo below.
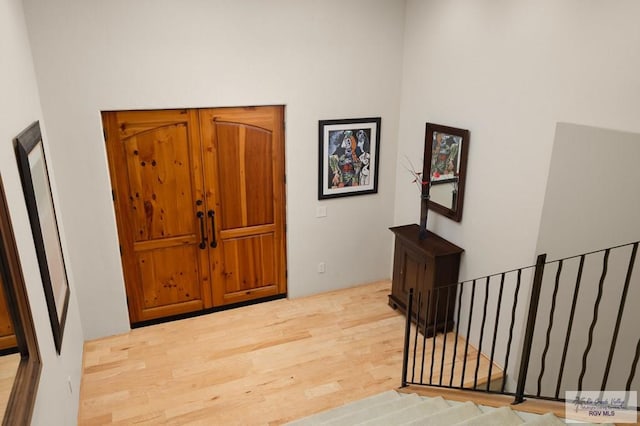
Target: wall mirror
(20, 363)
(44, 226)
(445, 159)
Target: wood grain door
(7, 333)
(199, 202)
(244, 174)
(155, 161)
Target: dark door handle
(203, 237)
(212, 215)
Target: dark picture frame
(44, 226)
(445, 160)
(348, 157)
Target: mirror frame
(23, 393)
(431, 128)
(30, 146)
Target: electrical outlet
(321, 267)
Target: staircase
(393, 408)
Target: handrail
(548, 262)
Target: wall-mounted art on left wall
(44, 226)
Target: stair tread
(427, 407)
(545, 420)
(375, 410)
(323, 416)
(503, 416)
(393, 408)
(449, 416)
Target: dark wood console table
(425, 265)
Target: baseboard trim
(206, 311)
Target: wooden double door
(199, 197)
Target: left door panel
(156, 173)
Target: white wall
(323, 60)
(20, 106)
(592, 199)
(592, 202)
(509, 71)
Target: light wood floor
(262, 364)
(8, 367)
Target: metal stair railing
(489, 309)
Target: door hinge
(113, 195)
(120, 247)
(285, 178)
(104, 132)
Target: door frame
(279, 174)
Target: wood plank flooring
(8, 368)
(262, 364)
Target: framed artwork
(44, 226)
(445, 158)
(348, 157)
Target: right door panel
(244, 175)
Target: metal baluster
(444, 334)
(548, 337)
(466, 345)
(623, 301)
(495, 331)
(484, 320)
(407, 338)
(513, 321)
(415, 341)
(435, 320)
(455, 344)
(570, 325)
(531, 324)
(424, 332)
(634, 364)
(595, 318)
